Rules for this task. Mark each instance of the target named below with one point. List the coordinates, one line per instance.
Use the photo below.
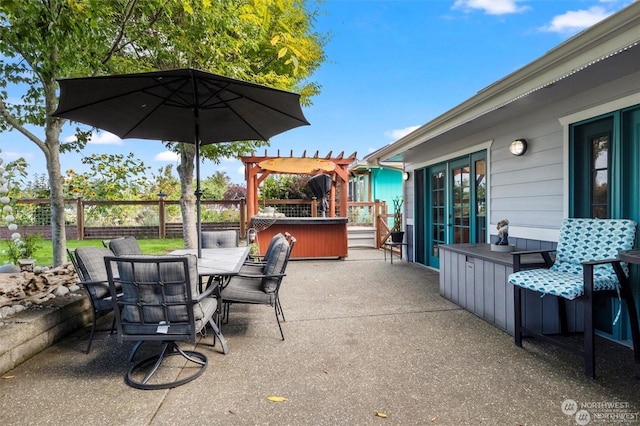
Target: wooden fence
(372, 214)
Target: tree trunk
(187, 199)
(58, 231)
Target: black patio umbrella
(183, 105)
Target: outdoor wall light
(406, 176)
(518, 147)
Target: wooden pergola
(258, 168)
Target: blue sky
(392, 65)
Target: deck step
(361, 236)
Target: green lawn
(44, 255)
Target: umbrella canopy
(183, 105)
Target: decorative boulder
(9, 268)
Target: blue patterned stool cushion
(581, 240)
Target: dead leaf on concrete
(381, 415)
(8, 377)
(277, 398)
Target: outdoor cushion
(257, 267)
(125, 246)
(247, 290)
(92, 267)
(581, 240)
(274, 264)
(275, 239)
(216, 239)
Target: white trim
(466, 151)
(487, 232)
(605, 108)
(567, 120)
(565, 171)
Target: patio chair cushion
(581, 240)
(125, 246)
(171, 275)
(274, 264)
(256, 266)
(247, 290)
(217, 239)
(92, 267)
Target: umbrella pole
(196, 121)
(198, 194)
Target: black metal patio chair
(89, 265)
(161, 302)
(125, 246)
(261, 288)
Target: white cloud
(99, 138)
(14, 155)
(168, 156)
(574, 21)
(104, 138)
(490, 7)
(399, 133)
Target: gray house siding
(529, 190)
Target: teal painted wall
(386, 184)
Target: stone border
(29, 332)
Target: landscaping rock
(30, 288)
(9, 268)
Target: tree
(214, 186)
(110, 177)
(265, 41)
(286, 187)
(163, 183)
(235, 192)
(43, 41)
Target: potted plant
(397, 234)
(254, 250)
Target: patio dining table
(223, 263)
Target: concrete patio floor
(362, 337)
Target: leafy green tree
(216, 185)
(110, 177)
(38, 186)
(16, 175)
(285, 187)
(163, 183)
(41, 41)
(265, 41)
